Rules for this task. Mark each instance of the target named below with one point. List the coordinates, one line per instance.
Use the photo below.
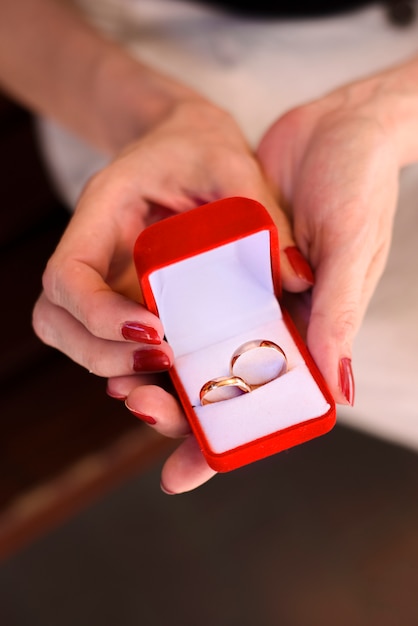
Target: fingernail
(167, 491)
(134, 331)
(115, 396)
(142, 416)
(150, 361)
(346, 379)
(299, 264)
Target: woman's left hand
(334, 165)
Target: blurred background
(324, 534)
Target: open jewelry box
(212, 275)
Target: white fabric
(258, 70)
(231, 298)
(232, 293)
(287, 401)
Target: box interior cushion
(205, 298)
(210, 304)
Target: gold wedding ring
(258, 362)
(252, 365)
(223, 388)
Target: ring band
(223, 388)
(258, 362)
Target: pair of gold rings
(252, 365)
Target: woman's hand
(89, 309)
(86, 309)
(335, 163)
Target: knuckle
(41, 322)
(97, 182)
(93, 366)
(103, 359)
(53, 279)
(345, 323)
(340, 327)
(241, 167)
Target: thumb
(336, 312)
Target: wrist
(130, 98)
(61, 67)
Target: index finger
(92, 261)
(77, 287)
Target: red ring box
(212, 275)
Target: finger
(185, 469)
(93, 264)
(57, 328)
(158, 407)
(298, 305)
(119, 387)
(339, 301)
(349, 255)
(296, 274)
(77, 287)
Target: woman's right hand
(89, 308)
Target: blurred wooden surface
(63, 441)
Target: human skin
(326, 171)
(339, 187)
(339, 182)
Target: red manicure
(142, 416)
(346, 379)
(299, 264)
(134, 331)
(151, 360)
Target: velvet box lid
(212, 275)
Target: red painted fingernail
(134, 331)
(150, 361)
(299, 264)
(142, 416)
(346, 379)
